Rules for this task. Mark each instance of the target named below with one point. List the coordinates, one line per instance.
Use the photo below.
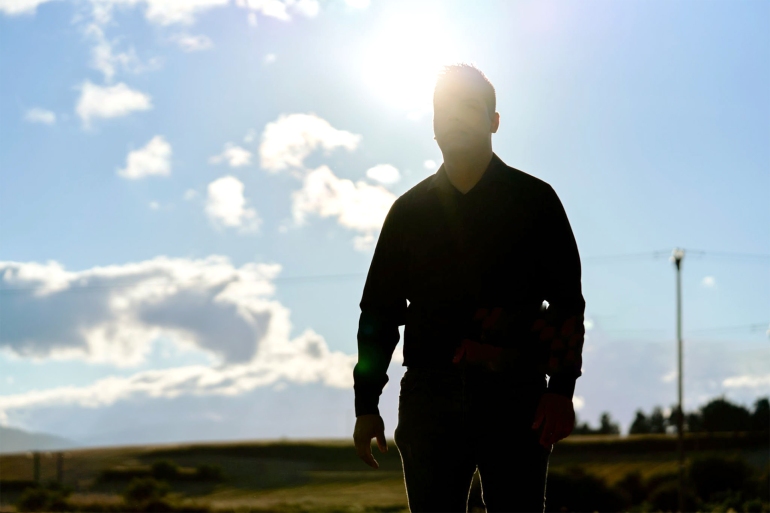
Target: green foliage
(165, 470)
(142, 491)
(714, 476)
(50, 498)
(209, 473)
(760, 418)
(575, 490)
(606, 426)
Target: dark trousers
(455, 420)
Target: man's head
(464, 116)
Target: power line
(347, 276)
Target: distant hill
(18, 440)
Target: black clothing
(505, 244)
(450, 423)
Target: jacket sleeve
(383, 310)
(566, 305)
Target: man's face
(461, 120)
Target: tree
(606, 426)
(657, 421)
(721, 415)
(640, 425)
(760, 418)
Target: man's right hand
(368, 427)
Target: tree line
(718, 415)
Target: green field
(326, 475)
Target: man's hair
(463, 70)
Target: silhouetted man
(485, 257)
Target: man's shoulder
(415, 194)
(525, 180)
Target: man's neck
(464, 171)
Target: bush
(43, 499)
(142, 491)
(665, 497)
(715, 475)
(165, 470)
(575, 490)
(209, 473)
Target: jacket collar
(497, 171)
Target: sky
(191, 192)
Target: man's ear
(495, 122)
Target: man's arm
(562, 273)
(383, 310)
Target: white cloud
(709, 282)
(358, 206)
(234, 155)
(270, 58)
(190, 194)
(384, 173)
(358, 4)
(226, 205)
(169, 12)
(748, 381)
(109, 102)
(429, 164)
(106, 60)
(154, 205)
(190, 43)
(15, 7)
(152, 159)
(114, 314)
(279, 9)
(38, 115)
(287, 141)
(250, 136)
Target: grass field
(326, 475)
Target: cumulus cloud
(105, 59)
(113, 314)
(279, 9)
(109, 101)
(226, 205)
(39, 115)
(16, 7)
(287, 141)
(190, 43)
(358, 206)
(152, 159)
(429, 164)
(384, 173)
(234, 155)
(748, 381)
(270, 58)
(709, 282)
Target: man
(485, 256)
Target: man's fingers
(381, 442)
(364, 451)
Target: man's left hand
(555, 415)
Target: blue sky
(184, 183)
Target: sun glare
(401, 62)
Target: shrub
(665, 497)
(209, 473)
(43, 499)
(142, 491)
(633, 487)
(576, 490)
(714, 475)
(165, 469)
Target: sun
(403, 58)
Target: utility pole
(677, 257)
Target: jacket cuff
(367, 406)
(562, 384)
